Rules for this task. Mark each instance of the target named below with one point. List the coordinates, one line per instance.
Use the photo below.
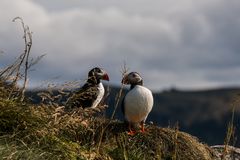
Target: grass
(47, 131)
(230, 139)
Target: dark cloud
(187, 44)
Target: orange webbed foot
(131, 133)
(143, 131)
(142, 128)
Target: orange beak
(105, 77)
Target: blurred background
(187, 52)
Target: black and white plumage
(91, 93)
(137, 103)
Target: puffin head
(97, 74)
(133, 79)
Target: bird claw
(142, 131)
(131, 133)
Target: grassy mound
(156, 143)
(39, 132)
(46, 131)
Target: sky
(186, 44)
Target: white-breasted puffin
(137, 103)
(91, 93)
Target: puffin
(91, 93)
(137, 103)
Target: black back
(84, 97)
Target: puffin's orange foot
(131, 133)
(142, 128)
(143, 131)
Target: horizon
(155, 91)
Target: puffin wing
(84, 97)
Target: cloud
(186, 44)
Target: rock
(226, 152)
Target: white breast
(138, 103)
(100, 95)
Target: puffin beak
(125, 79)
(105, 77)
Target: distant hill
(204, 114)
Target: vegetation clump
(47, 131)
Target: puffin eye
(134, 75)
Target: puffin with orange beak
(92, 92)
(137, 103)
